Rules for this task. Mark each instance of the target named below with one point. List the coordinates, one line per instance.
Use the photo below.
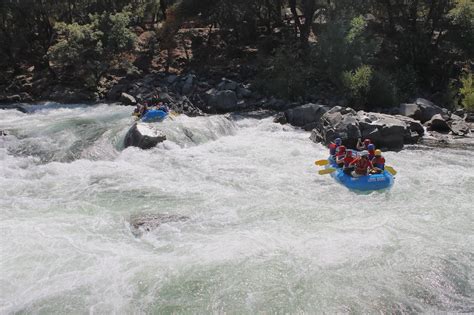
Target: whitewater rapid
(265, 232)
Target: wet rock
(146, 222)
(306, 116)
(280, 118)
(243, 92)
(13, 106)
(144, 136)
(127, 99)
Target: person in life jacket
(332, 149)
(340, 154)
(362, 165)
(371, 149)
(348, 159)
(361, 146)
(163, 107)
(378, 162)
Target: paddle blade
(391, 170)
(327, 171)
(321, 162)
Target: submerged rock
(144, 136)
(147, 222)
(386, 131)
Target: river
(265, 232)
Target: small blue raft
(153, 115)
(363, 183)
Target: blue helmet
(371, 146)
(338, 141)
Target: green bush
(357, 84)
(467, 91)
(84, 51)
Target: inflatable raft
(154, 115)
(363, 183)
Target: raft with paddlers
(153, 115)
(363, 171)
(369, 182)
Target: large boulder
(438, 123)
(127, 99)
(459, 127)
(422, 110)
(144, 136)
(222, 101)
(444, 124)
(306, 116)
(386, 131)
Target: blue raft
(154, 115)
(363, 183)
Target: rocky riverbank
(195, 95)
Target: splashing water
(265, 233)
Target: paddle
(326, 171)
(321, 162)
(391, 170)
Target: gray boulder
(227, 85)
(306, 116)
(438, 123)
(114, 93)
(422, 110)
(127, 99)
(222, 101)
(386, 131)
(459, 127)
(144, 136)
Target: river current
(265, 233)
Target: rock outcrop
(422, 110)
(144, 136)
(386, 131)
(448, 124)
(306, 116)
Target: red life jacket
(379, 161)
(362, 165)
(348, 160)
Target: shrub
(357, 84)
(467, 91)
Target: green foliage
(462, 20)
(467, 91)
(85, 50)
(357, 83)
